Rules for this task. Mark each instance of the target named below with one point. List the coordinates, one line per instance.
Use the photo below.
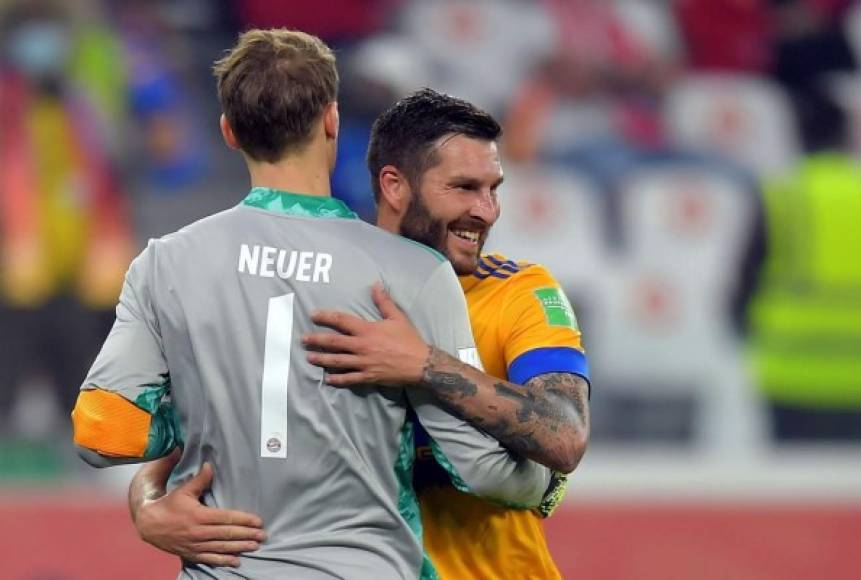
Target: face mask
(39, 50)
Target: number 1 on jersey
(276, 373)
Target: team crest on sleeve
(556, 307)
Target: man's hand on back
(178, 523)
(388, 352)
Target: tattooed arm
(546, 420)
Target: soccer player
(205, 353)
(436, 170)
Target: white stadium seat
(663, 325)
(471, 48)
(744, 119)
(554, 217)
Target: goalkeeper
(436, 171)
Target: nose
(485, 208)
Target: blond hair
(273, 86)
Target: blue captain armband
(540, 361)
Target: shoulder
(387, 244)
(404, 266)
(206, 226)
(514, 273)
(399, 256)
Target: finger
(200, 482)
(334, 361)
(384, 302)
(330, 342)
(216, 533)
(340, 321)
(219, 517)
(348, 379)
(225, 547)
(217, 560)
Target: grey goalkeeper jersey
(211, 318)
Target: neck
(388, 221)
(306, 173)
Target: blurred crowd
(688, 169)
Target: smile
(467, 235)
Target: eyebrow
(465, 180)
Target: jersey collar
(297, 204)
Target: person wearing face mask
(435, 174)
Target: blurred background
(690, 170)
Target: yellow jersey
(524, 326)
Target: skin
(546, 420)
(177, 522)
(458, 192)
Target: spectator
(804, 315)
(64, 235)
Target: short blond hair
(273, 86)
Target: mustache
(471, 224)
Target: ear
(227, 133)
(395, 190)
(331, 120)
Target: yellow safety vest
(806, 316)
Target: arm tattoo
(546, 420)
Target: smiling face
(456, 202)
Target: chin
(464, 266)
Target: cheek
(444, 214)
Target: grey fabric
(191, 321)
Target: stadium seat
(664, 342)
(846, 92)
(461, 38)
(745, 119)
(852, 29)
(554, 217)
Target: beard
(419, 225)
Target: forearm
(150, 482)
(477, 463)
(547, 421)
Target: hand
(388, 352)
(178, 523)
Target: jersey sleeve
(475, 462)
(121, 414)
(539, 330)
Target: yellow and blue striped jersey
(524, 326)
